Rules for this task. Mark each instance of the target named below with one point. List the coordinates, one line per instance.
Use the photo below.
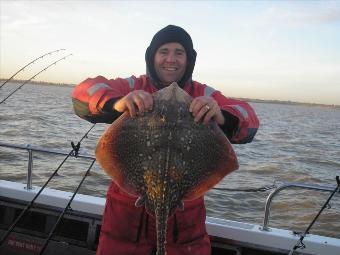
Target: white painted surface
(57, 198)
(232, 230)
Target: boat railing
(289, 185)
(30, 149)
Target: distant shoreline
(252, 100)
(45, 83)
(288, 102)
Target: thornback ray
(165, 157)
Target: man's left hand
(205, 108)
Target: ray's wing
(116, 157)
(132, 149)
(213, 159)
(201, 154)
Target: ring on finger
(207, 107)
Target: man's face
(170, 63)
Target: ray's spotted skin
(165, 157)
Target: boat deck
(79, 229)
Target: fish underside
(164, 157)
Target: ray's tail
(161, 227)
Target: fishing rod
(300, 243)
(71, 153)
(34, 77)
(65, 209)
(48, 53)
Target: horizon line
(255, 100)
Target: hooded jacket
(125, 228)
(170, 34)
(93, 101)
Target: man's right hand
(137, 101)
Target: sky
(271, 50)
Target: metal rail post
(30, 167)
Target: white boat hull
(235, 237)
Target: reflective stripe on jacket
(90, 96)
(130, 230)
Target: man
(127, 229)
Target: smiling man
(170, 63)
(127, 229)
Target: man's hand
(205, 108)
(137, 101)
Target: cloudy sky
(281, 50)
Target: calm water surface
(293, 144)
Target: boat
(75, 220)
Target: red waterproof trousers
(129, 230)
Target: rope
(261, 189)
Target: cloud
(15, 17)
(323, 14)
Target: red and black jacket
(93, 101)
